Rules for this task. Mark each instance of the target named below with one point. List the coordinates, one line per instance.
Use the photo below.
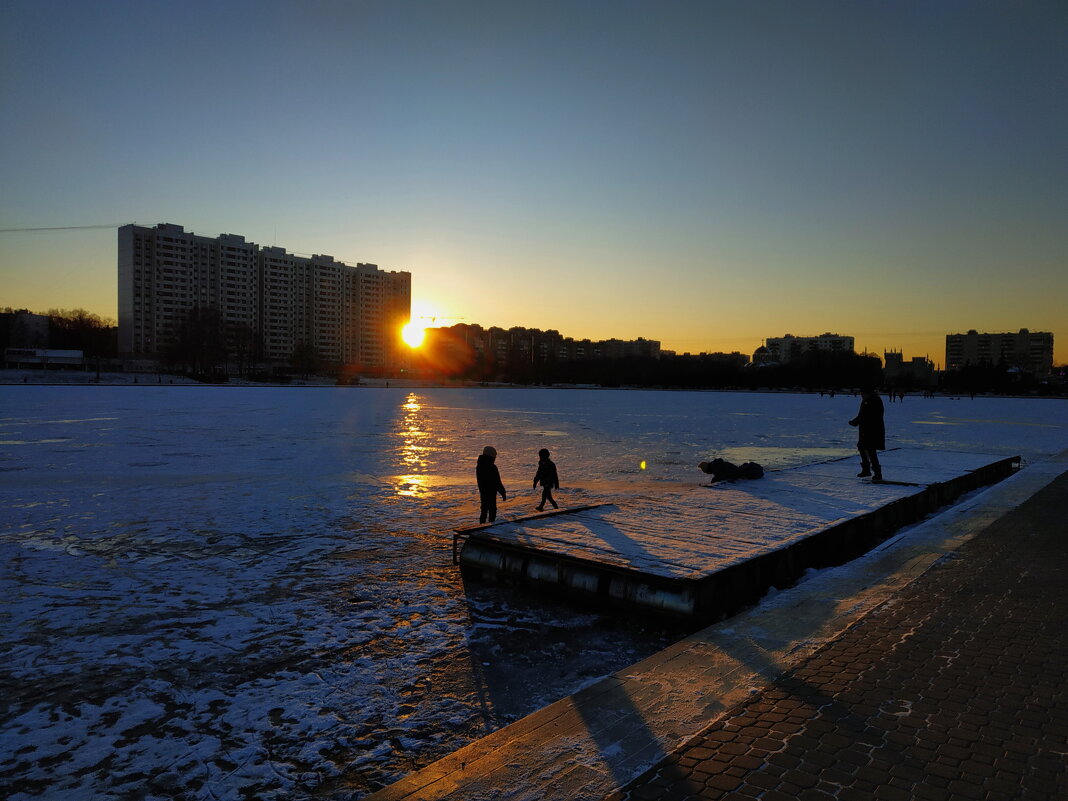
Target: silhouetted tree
(78, 329)
(245, 345)
(199, 343)
(305, 359)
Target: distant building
(469, 343)
(917, 372)
(43, 357)
(626, 349)
(762, 356)
(789, 348)
(733, 359)
(1027, 351)
(346, 315)
(23, 329)
(535, 345)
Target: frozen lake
(232, 592)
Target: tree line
(95, 336)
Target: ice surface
(224, 592)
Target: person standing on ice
(872, 435)
(489, 484)
(547, 477)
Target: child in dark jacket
(489, 484)
(547, 477)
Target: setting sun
(413, 334)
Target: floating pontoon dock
(708, 551)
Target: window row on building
(348, 315)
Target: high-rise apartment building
(1031, 351)
(349, 315)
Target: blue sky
(706, 174)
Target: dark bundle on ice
(721, 470)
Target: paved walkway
(956, 688)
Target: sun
(413, 334)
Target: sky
(707, 174)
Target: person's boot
(864, 471)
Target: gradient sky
(703, 173)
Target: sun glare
(413, 334)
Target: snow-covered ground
(233, 592)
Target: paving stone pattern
(955, 689)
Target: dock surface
(709, 550)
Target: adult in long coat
(489, 484)
(872, 434)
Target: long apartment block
(349, 315)
(1031, 351)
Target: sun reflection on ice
(413, 450)
(411, 486)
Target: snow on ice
(225, 592)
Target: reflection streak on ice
(249, 591)
(413, 452)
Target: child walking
(547, 477)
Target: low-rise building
(43, 357)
